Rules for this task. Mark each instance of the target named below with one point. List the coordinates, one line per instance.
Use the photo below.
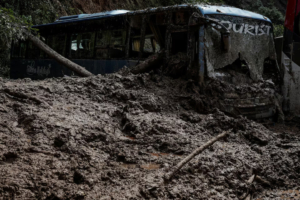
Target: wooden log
(248, 195)
(250, 181)
(150, 63)
(81, 71)
(169, 175)
(262, 181)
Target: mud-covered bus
(217, 40)
(290, 58)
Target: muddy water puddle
(150, 166)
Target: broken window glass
(148, 46)
(151, 45)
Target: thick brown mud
(115, 136)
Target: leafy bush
(13, 16)
(278, 30)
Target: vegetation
(15, 15)
(11, 28)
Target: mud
(115, 136)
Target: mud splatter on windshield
(251, 41)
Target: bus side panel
(41, 69)
(291, 89)
(290, 58)
(290, 14)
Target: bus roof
(204, 9)
(232, 11)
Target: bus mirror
(226, 40)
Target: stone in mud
(78, 177)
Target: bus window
(82, 45)
(57, 43)
(43, 55)
(19, 50)
(156, 46)
(117, 48)
(32, 51)
(151, 45)
(135, 38)
(148, 46)
(179, 42)
(110, 44)
(102, 44)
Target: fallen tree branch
(25, 96)
(59, 58)
(262, 181)
(248, 195)
(150, 63)
(167, 177)
(7, 126)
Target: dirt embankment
(115, 136)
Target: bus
(290, 58)
(219, 42)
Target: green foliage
(278, 30)
(12, 28)
(40, 11)
(17, 16)
(273, 13)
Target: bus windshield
(251, 42)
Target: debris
(149, 64)
(262, 181)
(121, 144)
(248, 195)
(169, 175)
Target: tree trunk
(25, 96)
(59, 58)
(150, 63)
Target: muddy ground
(115, 136)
